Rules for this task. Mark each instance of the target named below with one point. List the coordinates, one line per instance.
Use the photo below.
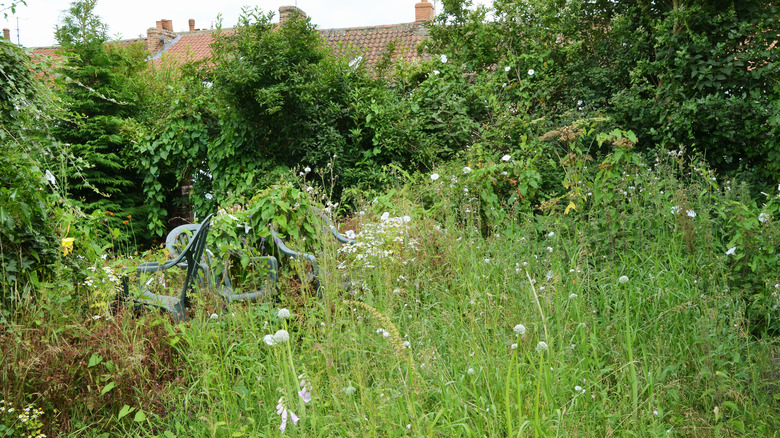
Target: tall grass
(631, 328)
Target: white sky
(131, 18)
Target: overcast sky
(131, 18)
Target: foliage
(672, 81)
(28, 189)
(94, 86)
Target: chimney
(423, 11)
(158, 24)
(287, 12)
(192, 24)
(7, 34)
(167, 25)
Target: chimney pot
(423, 11)
(167, 24)
(7, 34)
(192, 24)
(287, 12)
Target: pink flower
(282, 411)
(305, 391)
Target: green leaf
(139, 416)
(107, 388)
(124, 411)
(94, 360)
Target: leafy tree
(684, 73)
(95, 87)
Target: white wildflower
(531, 72)
(763, 217)
(551, 234)
(384, 216)
(541, 346)
(507, 68)
(349, 390)
(435, 72)
(572, 296)
(513, 346)
(269, 339)
(623, 279)
(520, 329)
(434, 176)
(443, 59)
(281, 336)
(283, 314)
(578, 388)
(466, 169)
(506, 157)
(731, 251)
(470, 371)
(690, 213)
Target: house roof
(366, 43)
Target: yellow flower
(67, 245)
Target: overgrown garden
(565, 223)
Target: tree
(95, 87)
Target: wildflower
(435, 72)
(541, 346)
(623, 279)
(349, 390)
(487, 260)
(384, 216)
(407, 219)
(281, 336)
(50, 178)
(690, 213)
(305, 392)
(763, 217)
(213, 316)
(549, 249)
(466, 169)
(470, 371)
(506, 158)
(731, 251)
(269, 339)
(283, 314)
(67, 245)
(578, 388)
(283, 412)
(407, 344)
(209, 196)
(443, 59)
(675, 209)
(434, 176)
(549, 275)
(531, 72)
(572, 296)
(551, 234)
(520, 329)
(507, 68)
